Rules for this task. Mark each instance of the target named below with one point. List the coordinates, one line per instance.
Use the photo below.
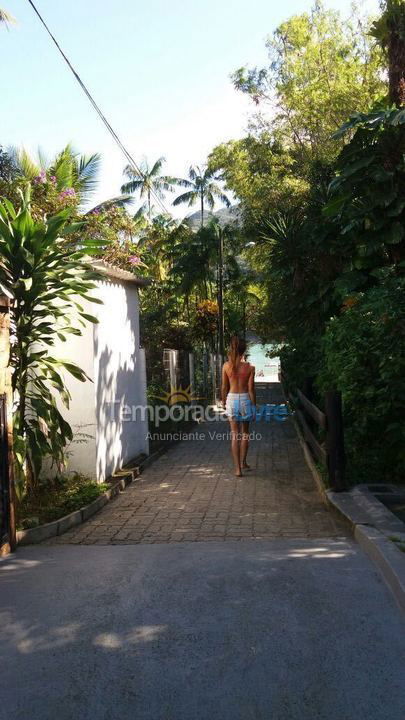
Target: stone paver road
(191, 494)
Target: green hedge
(364, 357)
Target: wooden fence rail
(332, 452)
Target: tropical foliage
(363, 355)
(333, 250)
(321, 69)
(45, 276)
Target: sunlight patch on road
(141, 634)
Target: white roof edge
(112, 271)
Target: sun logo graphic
(178, 395)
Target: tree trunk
(221, 323)
(396, 57)
(396, 54)
(202, 208)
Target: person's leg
(244, 445)
(235, 445)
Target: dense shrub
(364, 357)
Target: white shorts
(239, 407)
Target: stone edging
(373, 526)
(119, 482)
(311, 464)
(387, 557)
(362, 512)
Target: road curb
(361, 511)
(388, 558)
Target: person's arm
(225, 385)
(251, 387)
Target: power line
(110, 129)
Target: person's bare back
(239, 378)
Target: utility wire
(110, 129)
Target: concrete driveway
(284, 629)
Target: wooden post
(335, 440)
(8, 542)
(221, 317)
(308, 388)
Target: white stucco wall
(119, 378)
(81, 414)
(109, 353)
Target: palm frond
(43, 159)
(284, 226)
(119, 201)
(207, 174)
(170, 180)
(26, 166)
(217, 192)
(132, 186)
(189, 197)
(62, 169)
(140, 212)
(130, 172)
(5, 17)
(166, 184)
(157, 166)
(184, 183)
(210, 199)
(87, 168)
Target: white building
(108, 432)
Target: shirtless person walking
(239, 398)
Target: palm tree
(148, 181)
(69, 168)
(203, 188)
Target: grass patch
(53, 499)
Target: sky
(158, 69)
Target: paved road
(127, 619)
(191, 494)
(285, 629)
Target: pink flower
(41, 178)
(135, 260)
(67, 192)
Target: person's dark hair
(236, 350)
